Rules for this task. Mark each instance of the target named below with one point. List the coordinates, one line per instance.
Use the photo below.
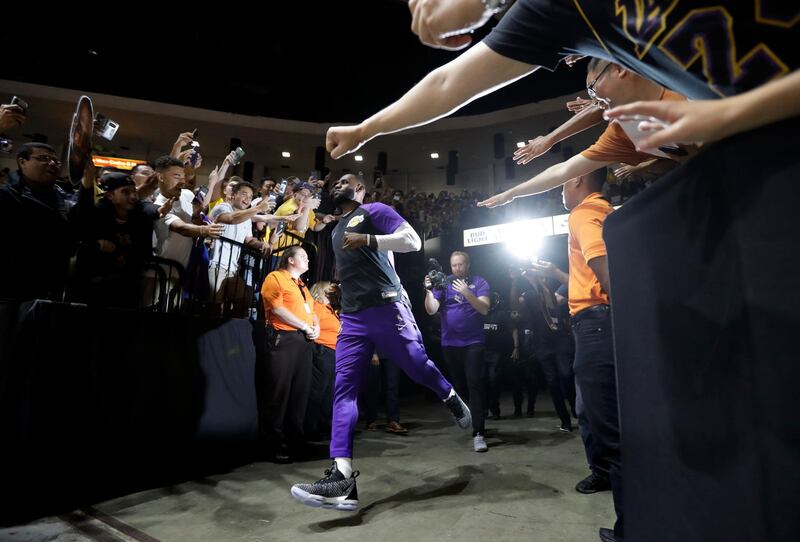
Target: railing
(223, 279)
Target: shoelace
(329, 474)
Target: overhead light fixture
(286, 154)
(434, 155)
(359, 158)
(520, 144)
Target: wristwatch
(493, 6)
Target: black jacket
(38, 240)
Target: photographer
(463, 301)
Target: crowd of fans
(217, 241)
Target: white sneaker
(479, 444)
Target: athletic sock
(345, 465)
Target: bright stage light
(522, 240)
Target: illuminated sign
(513, 231)
(117, 163)
(501, 233)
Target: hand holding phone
(639, 127)
(21, 104)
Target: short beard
(348, 194)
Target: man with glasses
(607, 84)
(37, 211)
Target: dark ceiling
(320, 62)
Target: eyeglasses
(590, 87)
(48, 159)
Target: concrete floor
(428, 485)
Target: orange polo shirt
(585, 243)
(329, 325)
(281, 290)
(614, 145)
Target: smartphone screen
(631, 128)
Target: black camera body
(436, 275)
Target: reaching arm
(547, 180)
(548, 269)
(215, 184)
(237, 217)
(588, 117)
(192, 230)
(473, 74)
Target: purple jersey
(462, 325)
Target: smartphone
(630, 124)
(22, 104)
(105, 127)
(237, 156)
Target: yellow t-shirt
(290, 207)
(215, 203)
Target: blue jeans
(596, 377)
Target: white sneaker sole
(330, 503)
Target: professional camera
(436, 275)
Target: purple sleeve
(482, 288)
(383, 217)
(438, 294)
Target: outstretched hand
(497, 200)
(534, 148)
(686, 122)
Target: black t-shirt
(367, 276)
(497, 328)
(700, 49)
(133, 238)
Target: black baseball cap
(112, 180)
